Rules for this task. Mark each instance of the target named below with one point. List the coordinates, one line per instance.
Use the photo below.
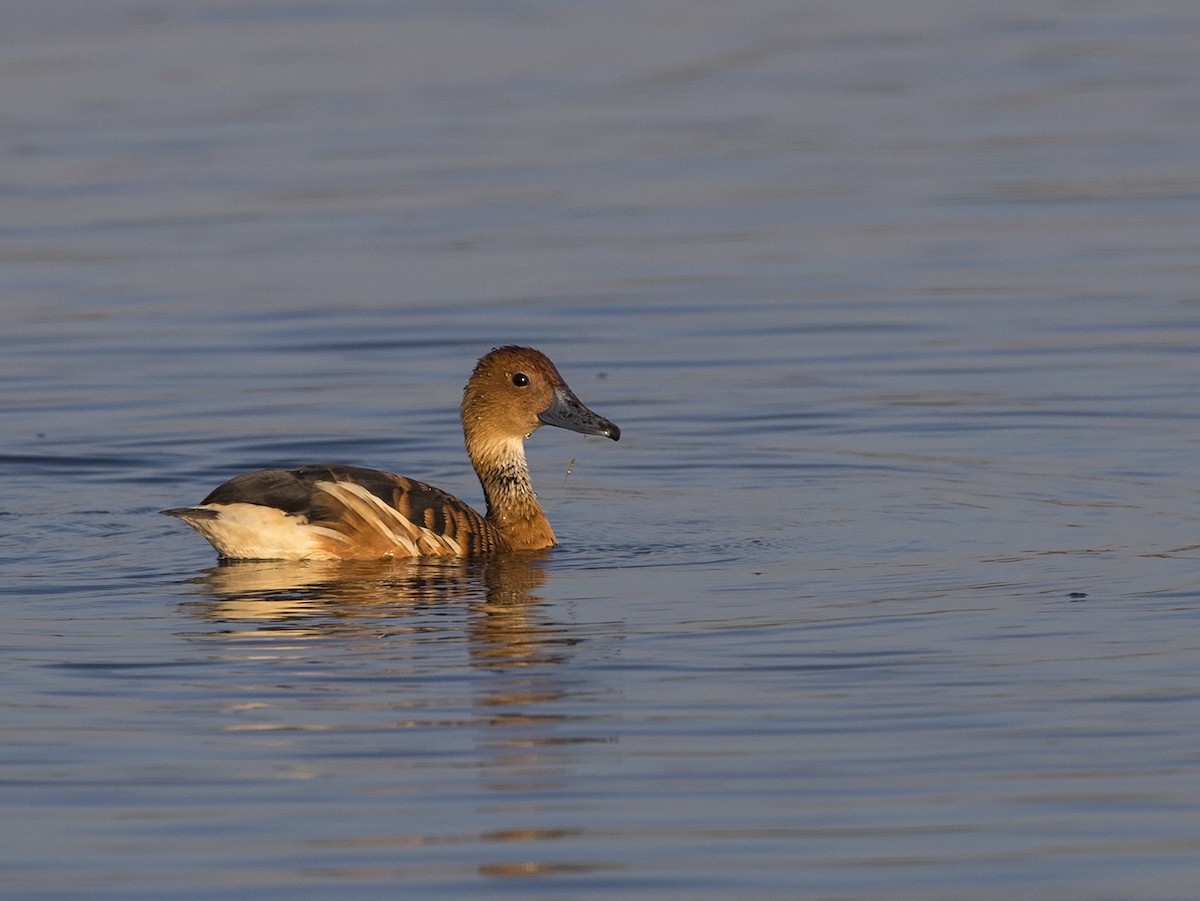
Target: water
(891, 588)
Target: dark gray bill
(568, 412)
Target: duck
(331, 511)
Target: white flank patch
(255, 532)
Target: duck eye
(520, 379)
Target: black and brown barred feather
(367, 513)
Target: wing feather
(352, 512)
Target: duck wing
(331, 511)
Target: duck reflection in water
(335, 663)
(386, 599)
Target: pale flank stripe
(369, 507)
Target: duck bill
(568, 412)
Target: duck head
(515, 390)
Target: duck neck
(512, 505)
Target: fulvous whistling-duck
(335, 512)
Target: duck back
(334, 511)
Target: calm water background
(891, 589)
